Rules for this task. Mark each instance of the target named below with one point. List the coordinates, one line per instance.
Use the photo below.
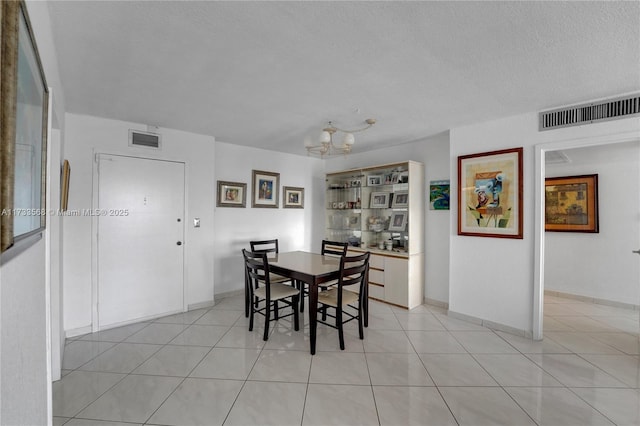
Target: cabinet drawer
(376, 261)
(376, 276)
(376, 291)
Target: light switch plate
(196, 222)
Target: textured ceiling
(269, 74)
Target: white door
(140, 216)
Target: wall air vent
(144, 139)
(610, 109)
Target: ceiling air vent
(610, 109)
(144, 139)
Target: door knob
(635, 251)
(179, 243)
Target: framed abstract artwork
(571, 204)
(490, 194)
(439, 194)
(265, 189)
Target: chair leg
(301, 296)
(275, 310)
(296, 321)
(247, 300)
(339, 325)
(360, 329)
(251, 315)
(324, 312)
(267, 316)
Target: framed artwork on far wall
(292, 198)
(490, 193)
(231, 194)
(265, 189)
(571, 204)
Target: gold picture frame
(231, 194)
(292, 197)
(265, 191)
(571, 204)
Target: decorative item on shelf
(376, 223)
(379, 200)
(325, 145)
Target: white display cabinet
(381, 209)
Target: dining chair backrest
(257, 268)
(353, 272)
(264, 246)
(334, 248)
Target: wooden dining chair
(261, 289)
(346, 298)
(334, 248)
(264, 246)
(330, 248)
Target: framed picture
(400, 199)
(24, 117)
(490, 194)
(64, 192)
(439, 194)
(293, 197)
(355, 183)
(398, 221)
(374, 180)
(265, 189)
(571, 204)
(379, 200)
(231, 194)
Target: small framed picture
(293, 198)
(231, 194)
(395, 177)
(398, 221)
(355, 183)
(265, 189)
(379, 200)
(374, 180)
(400, 199)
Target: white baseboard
(219, 296)
(201, 305)
(434, 302)
(595, 300)
(491, 325)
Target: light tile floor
(419, 367)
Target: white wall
(492, 278)
(600, 265)
(296, 229)
(24, 358)
(433, 152)
(86, 136)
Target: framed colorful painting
(439, 191)
(490, 194)
(265, 189)
(571, 204)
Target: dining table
(311, 269)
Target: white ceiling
(268, 74)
